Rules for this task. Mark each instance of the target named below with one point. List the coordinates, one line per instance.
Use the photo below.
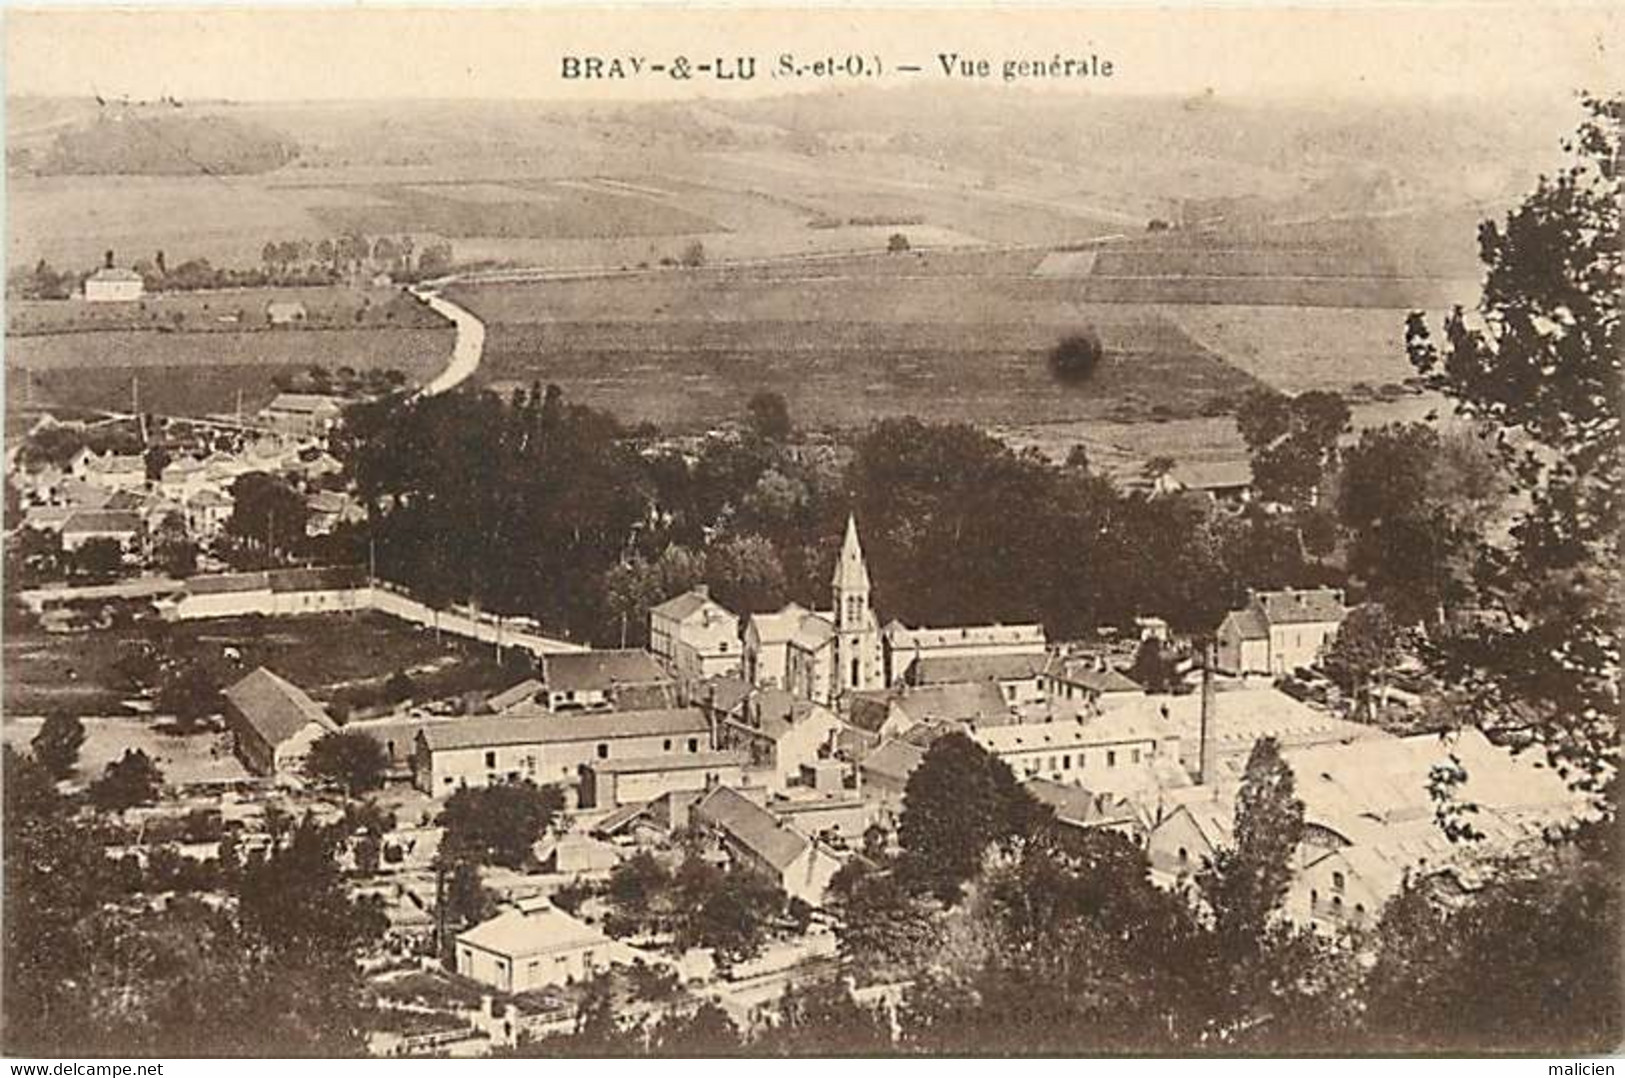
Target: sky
(1489, 50)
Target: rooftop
(527, 725)
(532, 929)
(1295, 606)
(274, 707)
(901, 637)
(690, 761)
(938, 669)
(599, 670)
(751, 826)
(103, 520)
(691, 602)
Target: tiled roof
(1294, 606)
(684, 606)
(600, 670)
(304, 403)
(103, 520)
(893, 760)
(534, 929)
(1085, 673)
(227, 583)
(275, 708)
(522, 693)
(938, 669)
(525, 726)
(115, 273)
(336, 578)
(977, 702)
(751, 826)
(902, 638)
(1248, 623)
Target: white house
(1019, 677)
(696, 636)
(758, 842)
(535, 945)
(1279, 631)
(84, 525)
(626, 679)
(114, 284)
(780, 733)
(902, 645)
(273, 723)
(530, 743)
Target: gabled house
(1019, 677)
(696, 636)
(611, 680)
(120, 525)
(901, 645)
(273, 723)
(1279, 631)
(780, 734)
(756, 841)
(535, 945)
(1090, 680)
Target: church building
(822, 656)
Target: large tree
(1539, 363)
(957, 803)
(498, 824)
(348, 759)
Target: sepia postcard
(588, 531)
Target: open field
(1299, 348)
(185, 373)
(1120, 449)
(320, 653)
(203, 757)
(231, 310)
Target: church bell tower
(857, 630)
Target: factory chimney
(1206, 767)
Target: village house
(757, 842)
(183, 477)
(621, 680)
(896, 712)
(611, 784)
(327, 509)
(1082, 810)
(1019, 677)
(779, 734)
(302, 415)
(1279, 631)
(114, 284)
(535, 945)
(696, 636)
(1370, 819)
(117, 471)
(273, 723)
(85, 525)
(823, 657)
(1113, 753)
(284, 312)
(530, 743)
(270, 593)
(207, 512)
(902, 646)
(1090, 680)
(884, 771)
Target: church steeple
(851, 575)
(857, 633)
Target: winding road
(465, 354)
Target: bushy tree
(769, 415)
(1539, 363)
(348, 759)
(131, 780)
(498, 824)
(957, 803)
(57, 744)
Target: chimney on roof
(702, 590)
(107, 260)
